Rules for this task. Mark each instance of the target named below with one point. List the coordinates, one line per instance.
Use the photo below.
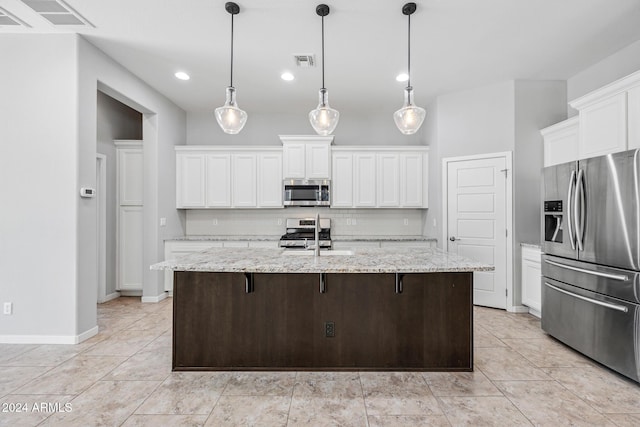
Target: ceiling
(456, 45)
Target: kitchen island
(372, 309)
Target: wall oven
(307, 192)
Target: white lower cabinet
(531, 279)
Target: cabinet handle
(323, 283)
(248, 282)
(399, 283)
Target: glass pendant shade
(230, 118)
(410, 117)
(324, 119)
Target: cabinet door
(412, 178)
(633, 117)
(318, 161)
(270, 180)
(561, 142)
(294, 160)
(130, 242)
(388, 180)
(244, 180)
(190, 181)
(603, 127)
(342, 180)
(130, 173)
(531, 279)
(218, 188)
(364, 180)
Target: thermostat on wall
(87, 192)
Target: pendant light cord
(231, 85)
(323, 52)
(409, 51)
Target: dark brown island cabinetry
(361, 321)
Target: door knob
(453, 239)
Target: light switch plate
(8, 308)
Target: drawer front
(603, 328)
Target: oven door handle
(591, 300)
(613, 276)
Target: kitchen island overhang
(378, 309)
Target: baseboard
(130, 293)
(48, 339)
(155, 299)
(534, 312)
(110, 297)
(518, 309)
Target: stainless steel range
(301, 233)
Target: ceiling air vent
(7, 19)
(305, 61)
(57, 12)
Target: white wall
(38, 187)
(114, 121)
(611, 68)
(264, 128)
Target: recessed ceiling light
(287, 76)
(182, 75)
(402, 77)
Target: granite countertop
(530, 245)
(398, 238)
(272, 238)
(369, 260)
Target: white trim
(48, 339)
(567, 126)
(508, 156)
(228, 148)
(396, 148)
(110, 297)
(101, 230)
(614, 88)
(128, 143)
(155, 299)
(306, 138)
(534, 312)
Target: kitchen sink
(345, 252)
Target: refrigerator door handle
(569, 225)
(578, 210)
(620, 277)
(591, 300)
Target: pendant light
(231, 118)
(410, 117)
(324, 119)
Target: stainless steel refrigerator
(591, 261)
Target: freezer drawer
(615, 282)
(605, 329)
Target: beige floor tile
(261, 384)
(165, 420)
(106, 403)
(327, 411)
(28, 409)
(549, 403)
(408, 420)
(504, 364)
(601, 388)
(73, 376)
(44, 355)
(482, 338)
(186, 393)
(328, 384)
(250, 410)
(460, 384)
(9, 351)
(482, 411)
(512, 328)
(547, 353)
(11, 378)
(123, 343)
(625, 420)
(152, 365)
(398, 393)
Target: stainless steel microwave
(307, 192)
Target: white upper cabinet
(413, 180)
(633, 117)
(306, 157)
(228, 177)
(388, 180)
(364, 179)
(603, 127)
(342, 180)
(561, 142)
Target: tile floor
(123, 376)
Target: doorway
(477, 207)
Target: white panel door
(318, 159)
(411, 180)
(130, 242)
(130, 173)
(190, 181)
(218, 188)
(364, 179)
(603, 127)
(476, 223)
(294, 160)
(342, 180)
(388, 180)
(244, 181)
(270, 180)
